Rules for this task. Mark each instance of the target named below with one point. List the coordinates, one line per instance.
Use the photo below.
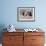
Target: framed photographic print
(26, 14)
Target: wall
(9, 13)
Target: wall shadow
(2, 29)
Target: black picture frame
(26, 14)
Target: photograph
(26, 14)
